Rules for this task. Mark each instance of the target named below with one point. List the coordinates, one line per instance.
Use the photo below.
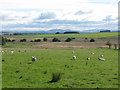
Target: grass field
(76, 74)
(83, 35)
(20, 72)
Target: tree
(68, 40)
(13, 40)
(23, 40)
(72, 38)
(57, 33)
(86, 39)
(31, 41)
(8, 40)
(56, 40)
(92, 40)
(37, 40)
(44, 39)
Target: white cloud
(67, 14)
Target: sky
(39, 15)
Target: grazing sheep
(74, 57)
(33, 58)
(87, 58)
(2, 51)
(12, 51)
(93, 53)
(102, 59)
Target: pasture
(20, 72)
(82, 35)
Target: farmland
(56, 57)
(83, 35)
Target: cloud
(73, 14)
(110, 18)
(68, 22)
(50, 4)
(46, 15)
(82, 12)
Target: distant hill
(53, 31)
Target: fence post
(115, 45)
(119, 47)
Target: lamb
(74, 57)
(2, 51)
(87, 58)
(102, 59)
(33, 58)
(12, 51)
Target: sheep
(74, 57)
(12, 51)
(87, 58)
(33, 58)
(102, 59)
(93, 53)
(2, 51)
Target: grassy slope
(78, 75)
(83, 35)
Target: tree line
(3, 41)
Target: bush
(37, 40)
(55, 40)
(8, 40)
(12, 40)
(73, 38)
(68, 40)
(86, 38)
(56, 77)
(44, 39)
(23, 40)
(92, 40)
(57, 33)
(31, 41)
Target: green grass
(76, 74)
(82, 35)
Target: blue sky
(16, 15)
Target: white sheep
(12, 51)
(74, 57)
(2, 51)
(102, 59)
(33, 58)
(93, 53)
(87, 58)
